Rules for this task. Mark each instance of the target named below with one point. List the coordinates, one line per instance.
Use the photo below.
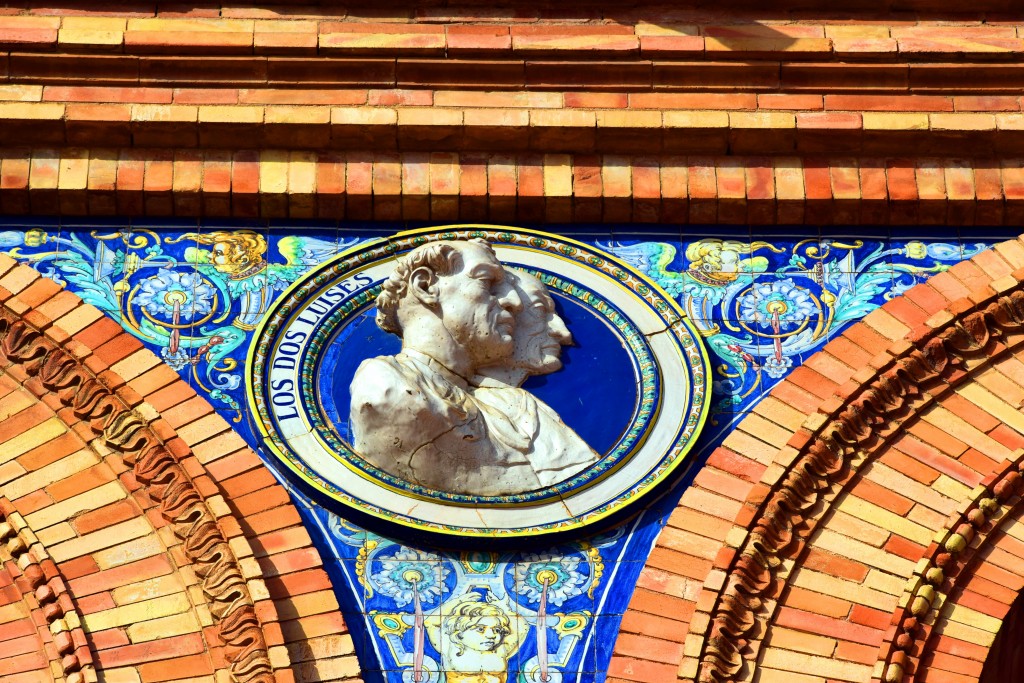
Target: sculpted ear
(423, 285)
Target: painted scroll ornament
(479, 381)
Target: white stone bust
(447, 411)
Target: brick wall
(576, 114)
(805, 549)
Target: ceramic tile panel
(762, 301)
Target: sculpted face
(540, 331)
(478, 306)
(483, 636)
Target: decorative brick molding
(124, 430)
(254, 574)
(580, 114)
(47, 600)
(965, 539)
(844, 438)
(510, 123)
(507, 49)
(449, 186)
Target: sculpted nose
(510, 300)
(559, 332)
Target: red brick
(887, 103)
(643, 646)
(177, 668)
(825, 626)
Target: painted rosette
(634, 385)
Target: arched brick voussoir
(966, 582)
(710, 579)
(268, 603)
(40, 629)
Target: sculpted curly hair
(440, 257)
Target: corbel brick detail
(558, 188)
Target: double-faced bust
(448, 411)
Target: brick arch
(41, 629)
(134, 515)
(823, 443)
(963, 586)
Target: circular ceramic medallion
(510, 383)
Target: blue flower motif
(780, 303)
(159, 293)
(411, 571)
(561, 574)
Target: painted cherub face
(225, 257)
(485, 635)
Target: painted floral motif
(763, 307)
(778, 305)
(171, 294)
(559, 574)
(477, 612)
(195, 297)
(720, 283)
(411, 571)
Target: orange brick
(314, 626)
(86, 480)
(105, 516)
(810, 601)
(177, 668)
(639, 670)
(298, 583)
(648, 648)
(897, 545)
(272, 520)
(834, 565)
(908, 466)
(826, 626)
(670, 607)
(882, 497)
